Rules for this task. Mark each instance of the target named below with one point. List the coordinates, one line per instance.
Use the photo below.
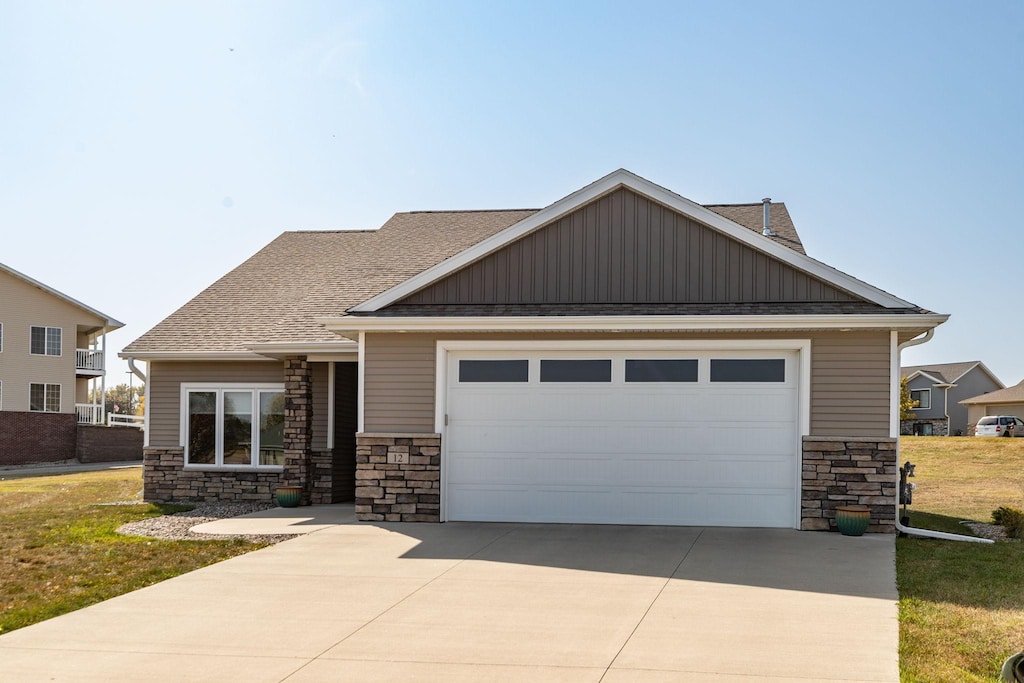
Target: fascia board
(111, 323)
(627, 323)
(192, 355)
(609, 183)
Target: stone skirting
(165, 479)
(915, 427)
(849, 471)
(398, 477)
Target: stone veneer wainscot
(398, 477)
(841, 470)
(164, 479)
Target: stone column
(849, 470)
(298, 423)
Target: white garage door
(621, 437)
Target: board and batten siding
(849, 378)
(626, 248)
(164, 390)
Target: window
(44, 398)
(661, 370)
(575, 371)
(234, 426)
(748, 370)
(494, 371)
(45, 341)
(923, 398)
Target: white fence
(120, 420)
(89, 414)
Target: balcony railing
(89, 414)
(89, 359)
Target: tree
(906, 402)
(119, 396)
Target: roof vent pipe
(767, 232)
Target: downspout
(911, 531)
(138, 373)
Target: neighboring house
(51, 355)
(939, 389)
(624, 355)
(1009, 401)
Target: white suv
(1000, 425)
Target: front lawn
(961, 604)
(59, 550)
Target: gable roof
(947, 373)
(610, 183)
(280, 296)
(111, 323)
(1014, 394)
(274, 295)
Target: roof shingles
(274, 296)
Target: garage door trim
(802, 347)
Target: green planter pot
(852, 520)
(288, 496)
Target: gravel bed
(177, 527)
(995, 532)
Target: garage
(622, 436)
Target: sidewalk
(66, 467)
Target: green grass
(961, 604)
(59, 550)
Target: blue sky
(148, 148)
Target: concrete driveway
(492, 602)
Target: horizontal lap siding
(399, 380)
(849, 378)
(319, 436)
(850, 384)
(164, 390)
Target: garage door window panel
(557, 370)
(661, 370)
(748, 370)
(494, 370)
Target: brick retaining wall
(398, 477)
(849, 471)
(109, 444)
(27, 437)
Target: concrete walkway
(67, 467)
(505, 602)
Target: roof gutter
(928, 533)
(138, 373)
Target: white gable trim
(607, 184)
(984, 369)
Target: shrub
(1010, 519)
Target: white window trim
(802, 366)
(220, 388)
(1, 337)
(46, 385)
(922, 391)
(47, 328)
